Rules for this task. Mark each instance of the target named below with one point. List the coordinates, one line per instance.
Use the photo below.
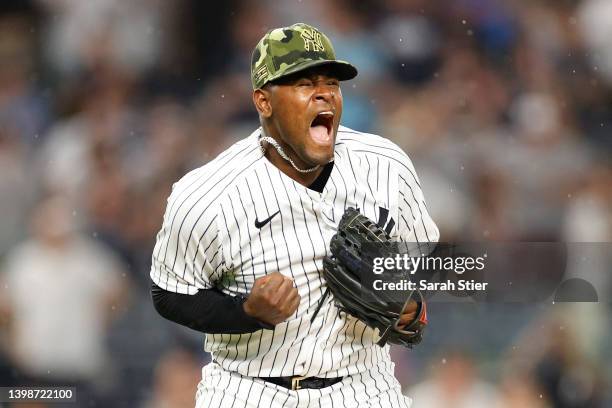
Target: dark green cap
(286, 50)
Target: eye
(304, 82)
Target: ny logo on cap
(312, 38)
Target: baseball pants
(376, 387)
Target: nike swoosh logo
(259, 224)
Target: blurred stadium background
(504, 106)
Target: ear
(261, 100)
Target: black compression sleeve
(208, 311)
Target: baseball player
(239, 255)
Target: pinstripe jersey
(210, 238)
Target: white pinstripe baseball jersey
(239, 218)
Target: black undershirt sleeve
(208, 311)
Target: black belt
(297, 382)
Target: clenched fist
(273, 299)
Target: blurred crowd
(505, 108)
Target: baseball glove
(349, 275)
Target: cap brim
(340, 69)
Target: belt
(298, 382)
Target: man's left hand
(409, 314)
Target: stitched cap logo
(312, 39)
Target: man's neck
(283, 165)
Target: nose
(325, 93)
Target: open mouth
(321, 127)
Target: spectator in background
(594, 18)
(22, 104)
(567, 378)
(60, 291)
(587, 226)
(24, 116)
(17, 187)
(454, 383)
(588, 216)
(82, 34)
(104, 115)
(520, 390)
(176, 379)
(551, 350)
(413, 39)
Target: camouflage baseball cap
(286, 50)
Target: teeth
(326, 113)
